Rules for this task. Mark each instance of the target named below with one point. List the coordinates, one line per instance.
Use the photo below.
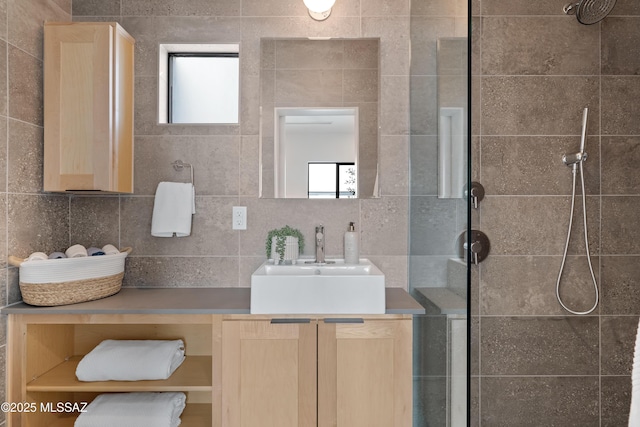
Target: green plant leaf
(280, 234)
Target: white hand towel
(133, 410)
(131, 360)
(172, 209)
(634, 413)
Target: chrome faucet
(320, 248)
(320, 244)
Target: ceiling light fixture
(319, 9)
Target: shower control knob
(477, 249)
(477, 193)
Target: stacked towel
(172, 209)
(131, 360)
(634, 414)
(133, 410)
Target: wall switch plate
(239, 218)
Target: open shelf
(194, 415)
(193, 375)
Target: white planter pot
(291, 252)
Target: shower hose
(586, 242)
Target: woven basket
(70, 280)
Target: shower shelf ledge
(441, 301)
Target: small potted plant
(284, 244)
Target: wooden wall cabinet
(318, 372)
(88, 107)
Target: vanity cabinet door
(88, 107)
(365, 373)
(269, 373)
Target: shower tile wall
(534, 70)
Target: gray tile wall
(225, 158)
(29, 220)
(534, 70)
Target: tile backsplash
(226, 157)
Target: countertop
(188, 301)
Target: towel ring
(179, 165)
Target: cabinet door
(123, 91)
(365, 373)
(269, 373)
(88, 107)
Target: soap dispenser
(351, 252)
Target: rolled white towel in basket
(131, 360)
(143, 409)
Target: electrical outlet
(239, 218)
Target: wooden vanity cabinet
(317, 372)
(240, 370)
(88, 107)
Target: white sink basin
(336, 288)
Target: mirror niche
(451, 59)
(319, 118)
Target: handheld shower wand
(583, 137)
(574, 160)
(579, 157)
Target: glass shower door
(440, 210)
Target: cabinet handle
(344, 320)
(293, 320)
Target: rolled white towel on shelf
(634, 412)
(140, 409)
(131, 360)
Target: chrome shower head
(590, 11)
